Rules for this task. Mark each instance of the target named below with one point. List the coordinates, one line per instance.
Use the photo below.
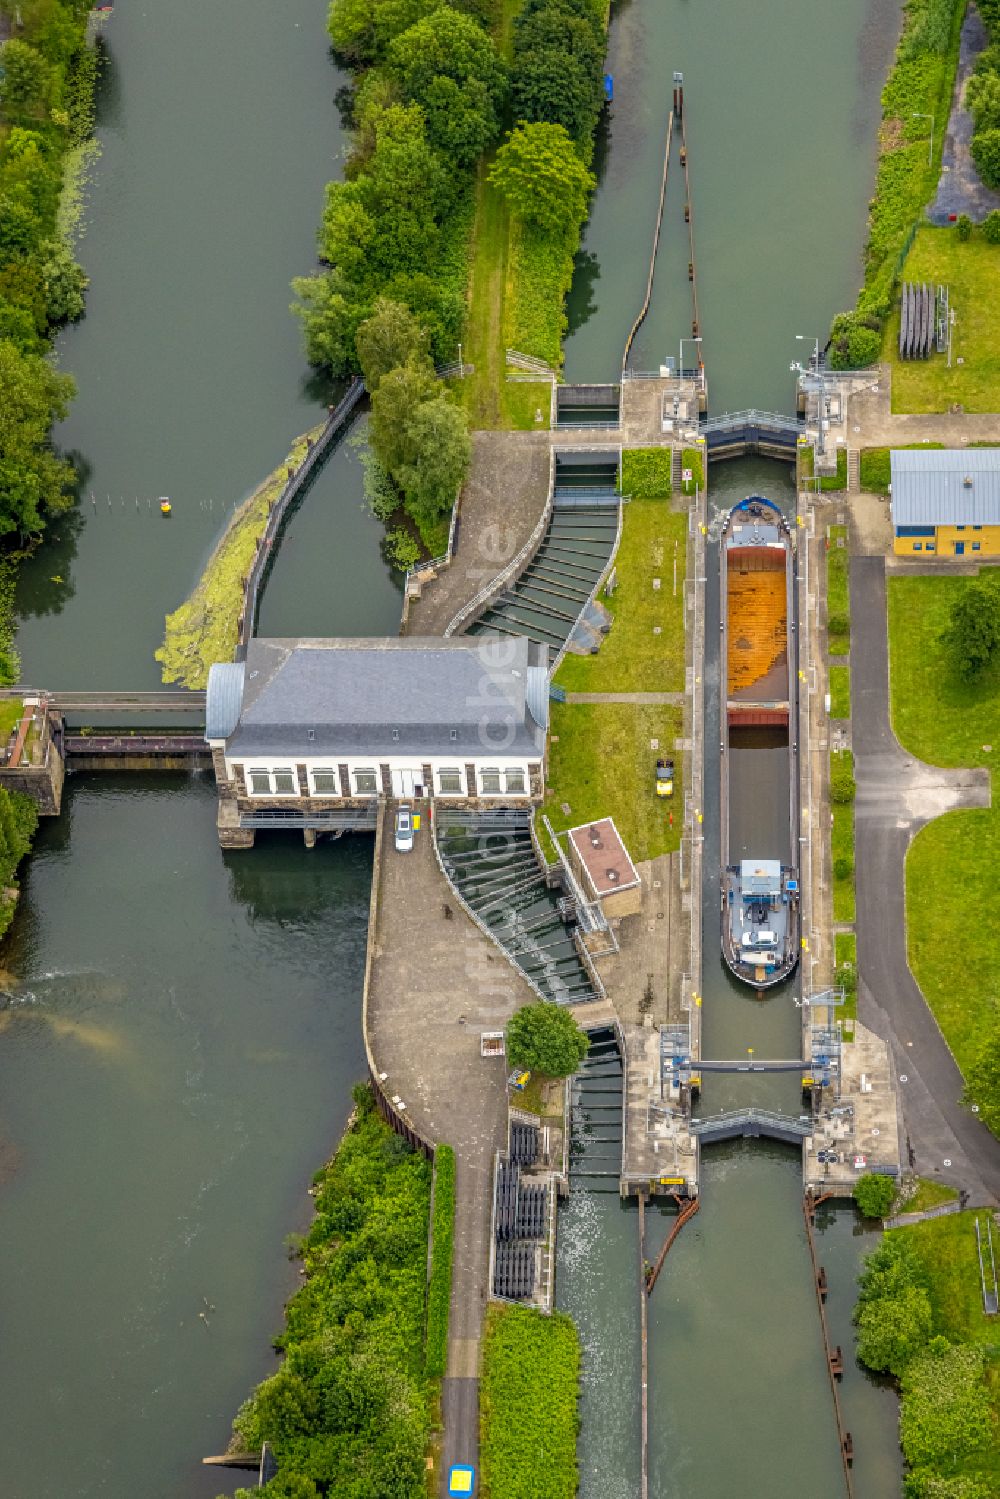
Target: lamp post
(804, 338)
(917, 115)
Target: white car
(404, 830)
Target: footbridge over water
(751, 1124)
(766, 433)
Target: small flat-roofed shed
(604, 867)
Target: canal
(782, 111)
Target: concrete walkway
(502, 502)
(896, 796)
(435, 983)
(960, 189)
(880, 427)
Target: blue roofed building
(945, 502)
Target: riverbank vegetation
(347, 1413)
(940, 717)
(920, 1318)
(205, 628)
(18, 822)
(917, 95)
(47, 79)
(528, 1397)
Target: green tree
(405, 190)
(986, 155)
(558, 63)
(945, 1410)
(893, 1329)
(982, 1082)
(400, 548)
(65, 282)
(542, 178)
(991, 227)
(398, 396)
(330, 311)
(34, 483)
(874, 1194)
(972, 635)
(448, 65)
(964, 228)
(982, 96)
(26, 77)
(441, 453)
(391, 337)
(545, 1038)
(924, 1483)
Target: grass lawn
(875, 467)
(838, 606)
(947, 1247)
(11, 713)
(840, 692)
(601, 765)
(929, 1194)
(972, 271)
(521, 400)
(954, 949)
(483, 343)
(842, 843)
(845, 976)
(632, 658)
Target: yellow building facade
(945, 502)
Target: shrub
(691, 458)
(838, 624)
(401, 549)
(991, 227)
(442, 1246)
(893, 1314)
(529, 1391)
(843, 867)
(874, 1194)
(545, 1038)
(986, 155)
(842, 784)
(945, 1410)
(646, 473)
(964, 228)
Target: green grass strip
(840, 692)
(838, 602)
(442, 1251)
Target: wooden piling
(834, 1359)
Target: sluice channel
(490, 860)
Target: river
(182, 1033)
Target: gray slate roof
(461, 696)
(929, 486)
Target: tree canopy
(448, 65)
(874, 1194)
(542, 178)
(391, 337)
(34, 483)
(545, 1038)
(972, 635)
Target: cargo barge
(760, 893)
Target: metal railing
(434, 564)
(752, 1122)
(347, 819)
(735, 420)
(294, 486)
(529, 362)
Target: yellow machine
(664, 777)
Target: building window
(489, 781)
(260, 782)
(929, 547)
(977, 528)
(365, 781)
(285, 782)
(515, 782)
(914, 530)
(959, 528)
(977, 546)
(918, 546)
(325, 782)
(450, 780)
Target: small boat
(165, 506)
(609, 88)
(760, 894)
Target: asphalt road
(896, 796)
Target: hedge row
(646, 473)
(528, 1392)
(442, 1249)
